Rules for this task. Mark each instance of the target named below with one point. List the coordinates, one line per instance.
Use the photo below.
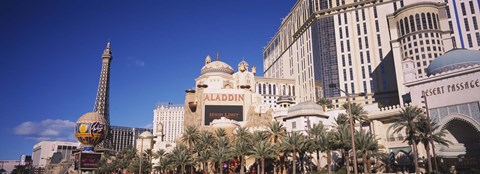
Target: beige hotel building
(359, 45)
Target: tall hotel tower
(359, 45)
(168, 120)
(102, 99)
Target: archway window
(269, 88)
(412, 23)
(424, 21)
(390, 136)
(263, 90)
(274, 90)
(407, 29)
(402, 31)
(429, 17)
(417, 20)
(434, 21)
(400, 137)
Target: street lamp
(350, 119)
(430, 132)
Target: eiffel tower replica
(102, 99)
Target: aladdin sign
(223, 97)
(452, 88)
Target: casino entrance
(464, 153)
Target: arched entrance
(464, 133)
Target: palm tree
(149, 154)
(342, 141)
(325, 103)
(429, 134)
(124, 158)
(315, 134)
(293, 143)
(180, 156)
(107, 163)
(190, 136)
(341, 119)
(220, 133)
(358, 113)
(242, 145)
(159, 155)
(261, 150)
(259, 136)
(276, 131)
(365, 142)
(206, 138)
(220, 152)
(328, 145)
(407, 121)
(203, 157)
(203, 147)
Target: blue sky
(50, 58)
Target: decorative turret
(208, 59)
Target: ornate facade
(224, 98)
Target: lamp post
(462, 164)
(141, 156)
(430, 131)
(350, 119)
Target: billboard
(233, 112)
(89, 160)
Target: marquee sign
(232, 112)
(451, 88)
(87, 160)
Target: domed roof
(146, 134)
(217, 67)
(307, 108)
(454, 59)
(91, 117)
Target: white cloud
(140, 63)
(148, 126)
(136, 62)
(48, 129)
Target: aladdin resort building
(226, 98)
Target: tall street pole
(141, 156)
(352, 131)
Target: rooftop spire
(107, 53)
(218, 57)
